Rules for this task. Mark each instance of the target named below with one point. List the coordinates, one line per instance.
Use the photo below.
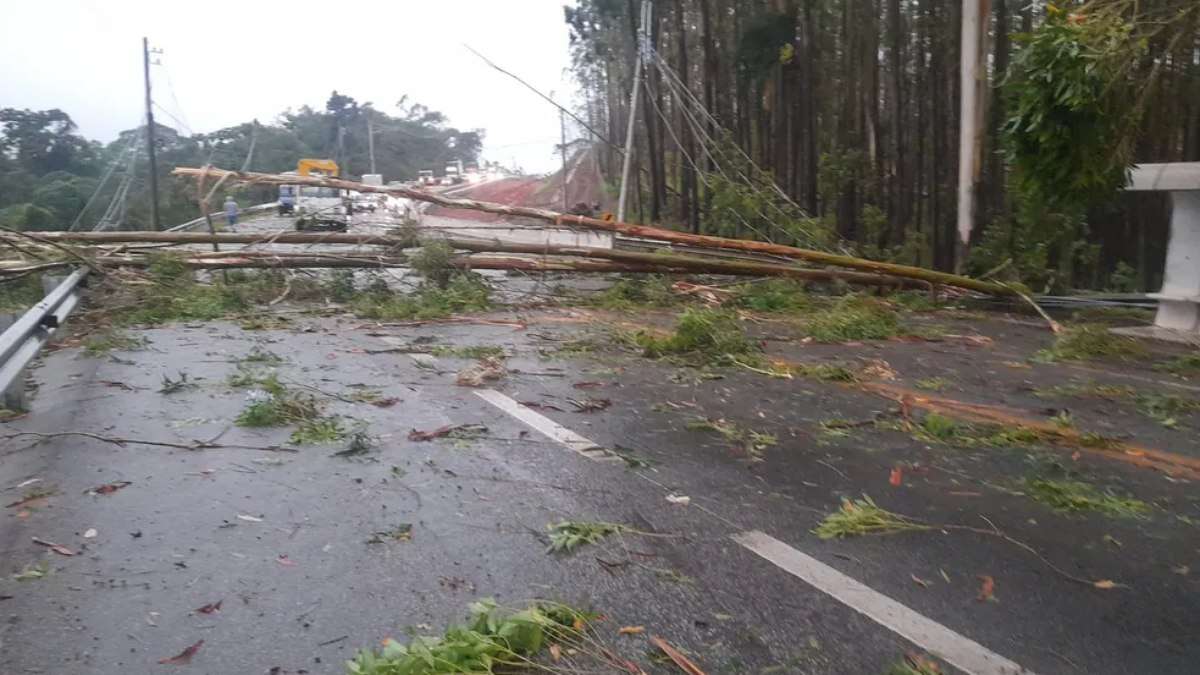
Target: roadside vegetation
(743, 439)
(703, 336)
(1166, 409)
(1088, 342)
(1073, 496)
(853, 317)
(494, 639)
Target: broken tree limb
(704, 241)
(631, 261)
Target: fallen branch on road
(561, 220)
(122, 442)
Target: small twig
(122, 442)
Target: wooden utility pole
(643, 43)
(150, 136)
(562, 130)
(370, 140)
(971, 116)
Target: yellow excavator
(321, 208)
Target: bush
(715, 335)
(854, 317)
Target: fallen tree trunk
(233, 260)
(649, 262)
(705, 241)
(279, 237)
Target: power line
(108, 172)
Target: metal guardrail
(25, 337)
(218, 216)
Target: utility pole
(972, 104)
(643, 51)
(562, 129)
(150, 136)
(370, 140)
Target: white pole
(633, 104)
(970, 138)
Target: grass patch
(772, 295)
(703, 335)
(1114, 316)
(267, 408)
(469, 352)
(858, 517)
(652, 290)
(853, 317)
(936, 428)
(1181, 365)
(826, 372)
(1162, 408)
(1091, 342)
(112, 340)
(464, 292)
(318, 431)
(20, 294)
(915, 301)
(749, 441)
(933, 383)
(1077, 497)
(494, 639)
(33, 572)
(568, 535)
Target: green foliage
(494, 640)
(469, 352)
(1181, 365)
(710, 335)
(1114, 316)
(99, 344)
(463, 293)
(30, 218)
(317, 431)
(828, 372)
(858, 517)
(1087, 342)
(432, 261)
(853, 317)
(341, 285)
(940, 427)
(1076, 496)
(652, 290)
(20, 294)
(568, 535)
(933, 383)
(1124, 278)
(1070, 109)
(747, 440)
(772, 295)
(33, 572)
(276, 408)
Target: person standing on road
(231, 211)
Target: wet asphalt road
(281, 539)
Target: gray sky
(227, 62)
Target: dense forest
(851, 107)
(48, 172)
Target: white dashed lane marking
(546, 426)
(958, 650)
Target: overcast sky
(227, 62)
